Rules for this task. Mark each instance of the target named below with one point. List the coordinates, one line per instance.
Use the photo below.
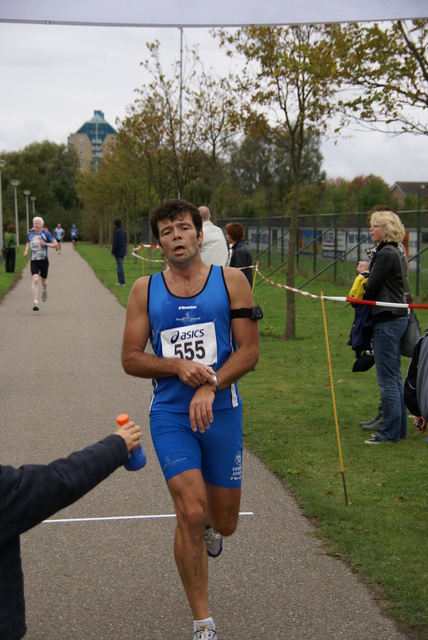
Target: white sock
(35, 302)
(208, 623)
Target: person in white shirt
(214, 248)
(59, 235)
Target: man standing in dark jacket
(118, 250)
(31, 494)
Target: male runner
(59, 234)
(39, 240)
(198, 319)
(74, 232)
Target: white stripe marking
(151, 517)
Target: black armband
(253, 313)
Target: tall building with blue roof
(92, 141)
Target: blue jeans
(120, 271)
(386, 345)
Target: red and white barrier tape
(373, 303)
(146, 259)
(147, 246)
(283, 286)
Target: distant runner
(74, 231)
(38, 239)
(59, 234)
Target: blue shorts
(217, 452)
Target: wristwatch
(216, 382)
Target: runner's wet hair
(172, 210)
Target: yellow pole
(333, 398)
(254, 279)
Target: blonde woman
(385, 284)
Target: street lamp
(33, 200)
(2, 164)
(26, 193)
(421, 188)
(14, 184)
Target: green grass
(104, 267)
(289, 423)
(8, 280)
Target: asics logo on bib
(192, 342)
(187, 335)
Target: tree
(386, 68)
(177, 124)
(360, 194)
(288, 83)
(94, 196)
(260, 173)
(49, 171)
(215, 111)
(143, 144)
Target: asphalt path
(103, 569)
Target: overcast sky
(54, 77)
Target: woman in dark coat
(10, 247)
(386, 284)
(241, 257)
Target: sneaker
(375, 439)
(44, 295)
(373, 425)
(36, 306)
(117, 284)
(214, 544)
(205, 634)
(372, 421)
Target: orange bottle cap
(122, 419)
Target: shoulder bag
(413, 331)
(5, 249)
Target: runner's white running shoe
(44, 295)
(214, 543)
(205, 634)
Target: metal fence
(327, 240)
(335, 238)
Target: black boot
(374, 423)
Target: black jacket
(119, 242)
(416, 383)
(241, 257)
(385, 282)
(31, 494)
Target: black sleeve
(241, 257)
(32, 493)
(410, 395)
(115, 241)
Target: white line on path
(151, 517)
